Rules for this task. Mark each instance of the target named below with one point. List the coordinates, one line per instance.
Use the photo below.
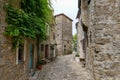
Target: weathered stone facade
(48, 47)
(10, 66)
(63, 32)
(80, 37)
(103, 49)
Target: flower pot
(39, 67)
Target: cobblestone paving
(63, 68)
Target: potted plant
(40, 63)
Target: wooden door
(31, 59)
(46, 51)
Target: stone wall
(80, 37)
(104, 39)
(102, 17)
(50, 42)
(63, 32)
(9, 67)
(58, 34)
(66, 35)
(84, 13)
(90, 48)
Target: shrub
(77, 55)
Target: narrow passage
(63, 68)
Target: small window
(64, 45)
(20, 53)
(42, 47)
(68, 42)
(89, 1)
(53, 36)
(64, 49)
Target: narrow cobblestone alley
(63, 68)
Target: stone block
(102, 41)
(100, 27)
(117, 77)
(107, 65)
(110, 72)
(116, 56)
(116, 45)
(99, 71)
(2, 61)
(97, 49)
(115, 65)
(99, 57)
(97, 64)
(1, 72)
(97, 76)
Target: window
(89, 1)
(64, 49)
(64, 45)
(68, 42)
(42, 47)
(20, 54)
(53, 36)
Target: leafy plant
(77, 55)
(75, 42)
(29, 21)
(41, 62)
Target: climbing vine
(28, 21)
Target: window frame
(23, 54)
(42, 47)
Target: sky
(68, 7)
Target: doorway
(46, 51)
(31, 59)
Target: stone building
(48, 47)
(20, 63)
(80, 40)
(101, 22)
(63, 33)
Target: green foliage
(75, 36)
(77, 55)
(29, 21)
(39, 8)
(75, 41)
(41, 62)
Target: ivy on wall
(28, 21)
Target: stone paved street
(63, 68)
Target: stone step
(34, 76)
